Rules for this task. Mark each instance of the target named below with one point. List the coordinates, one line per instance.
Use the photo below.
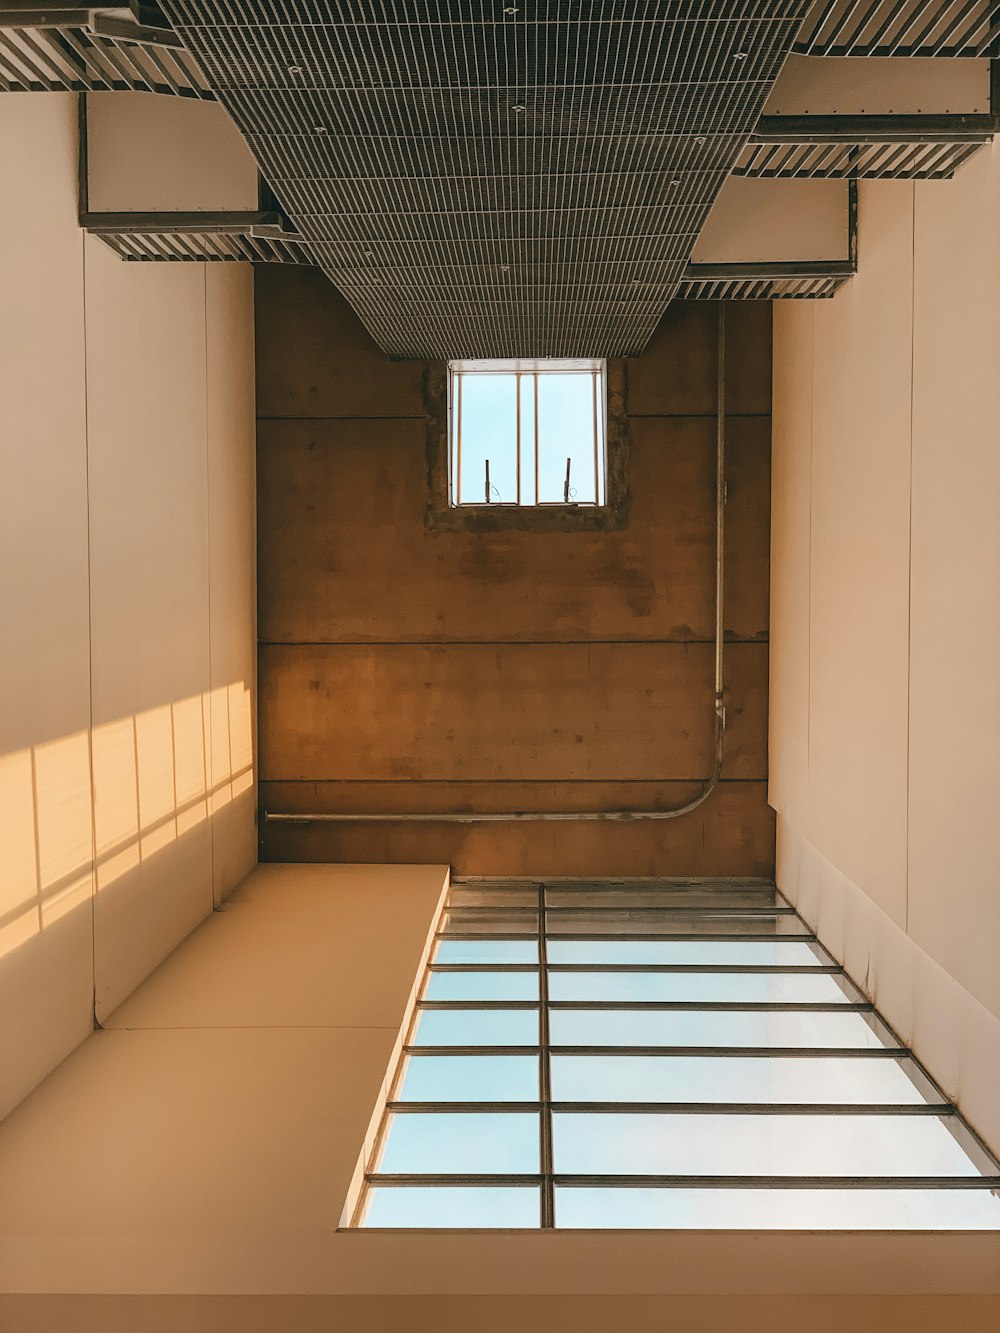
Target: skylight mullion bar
(722, 1052)
(668, 1006)
(722, 969)
(671, 937)
(520, 909)
(561, 1181)
(937, 1110)
(548, 1198)
(633, 937)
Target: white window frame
(527, 372)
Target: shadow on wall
(83, 811)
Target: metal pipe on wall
(719, 706)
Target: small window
(527, 433)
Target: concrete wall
(186, 1168)
(886, 629)
(409, 665)
(126, 602)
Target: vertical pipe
(720, 534)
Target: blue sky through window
(541, 415)
(536, 1083)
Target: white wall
(885, 716)
(127, 800)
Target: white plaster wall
(884, 713)
(126, 602)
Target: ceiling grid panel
(496, 179)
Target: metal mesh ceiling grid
(71, 59)
(902, 28)
(496, 179)
(881, 161)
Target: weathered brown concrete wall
(407, 667)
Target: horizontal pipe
(466, 817)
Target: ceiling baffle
(496, 179)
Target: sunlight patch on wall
(95, 805)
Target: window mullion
(545, 1071)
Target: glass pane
(467, 895)
(476, 1027)
(601, 895)
(487, 921)
(717, 987)
(458, 986)
(489, 431)
(469, 1078)
(738, 1145)
(706, 1078)
(486, 951)
(763, 1210)
(692, 953)
(460, 1143)
(566, 430)
(649, 921)
(701, 1027)
(452, 1206)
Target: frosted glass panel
(767, 1210)
(451, 1206)
(716, 987)
(695, 1078)
(459, 986)
(591, 922)
(711, 896)
(756, 1145)
(476, 1027)
(701, 953)
(629, 1027)
(469, 1078)
(490, 922)
(461, 1143)
(486, 951)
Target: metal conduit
(719, 708)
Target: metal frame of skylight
(547, 1180)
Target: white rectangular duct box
(880, 86)
(768, 221)
(153, 154)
